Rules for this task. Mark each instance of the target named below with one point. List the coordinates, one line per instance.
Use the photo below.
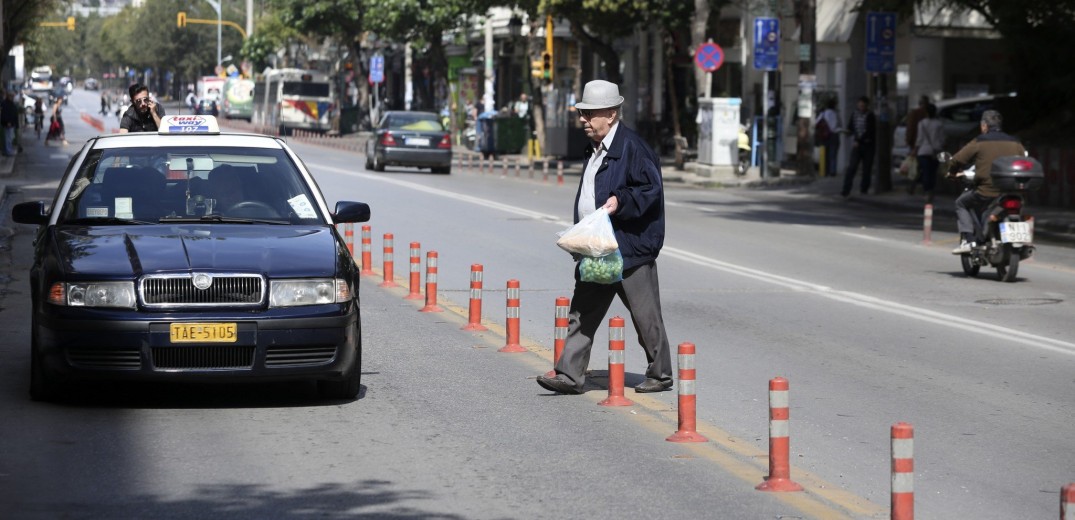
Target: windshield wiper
(223, 219)
(106, 221)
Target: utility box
(718, 127)
(718, 131)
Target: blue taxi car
(192, 255)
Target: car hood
(125, 251)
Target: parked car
(960, 118)
(90, 84)
(192, 255)
(415, 139)
(207, 107)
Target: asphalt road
(869, 326)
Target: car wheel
(346, 388)
(443, 169)
(45, 385)
(377, 164)
(369, 161)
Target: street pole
(489, 99)
(219, 25)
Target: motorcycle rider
(980, 152)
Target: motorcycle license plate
(1018, 232)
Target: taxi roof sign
(188, 124)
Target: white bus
(287, 99)
(41, 79)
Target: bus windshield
(297, 88)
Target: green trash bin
(511, 134)
(349, 120)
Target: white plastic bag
(592, 236)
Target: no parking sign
(709, 56)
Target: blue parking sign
(766, 43)
(880, 42)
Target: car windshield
(415, 122)
(212, 184)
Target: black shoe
(653, 385)
(560, 386)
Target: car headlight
(291, 293)
(93, 294)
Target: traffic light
(546, 65)
(70, 23)
(537, 70)
(181, 19)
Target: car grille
(105, 358)
(179, 291)
(295, 356)
(196, 358)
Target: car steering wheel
(252, 209)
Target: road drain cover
(1020, 301)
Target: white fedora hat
(600, 94)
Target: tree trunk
(699, 25)
(674, 101)
(603, 49)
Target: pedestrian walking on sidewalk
(827, 131)
(623, 176)
(863, 128)
(930, 142)
(9, 118)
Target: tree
(21, 17)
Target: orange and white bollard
(1067, 502)
(530, 167)
(902, 471)
(349, 237)
(615, 365)
(431, 284)
(367, 252)
(559, 331)
(545, 170)
(688, 423)
(927, 225)
(779, 440)
(559, 172)
(517, 167)
(504, 166)
(512, 324)
(477, 272)
(389, 261)
(415, 272)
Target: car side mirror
(30, 213)
(347, 211)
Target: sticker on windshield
(124, 208)
(96, 212)
(302, 206)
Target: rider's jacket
(981, 152)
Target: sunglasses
(142, 101)
(588, 114)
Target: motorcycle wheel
(1009, 267)
(969, 267)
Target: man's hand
(611, 205)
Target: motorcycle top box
(1017, 173)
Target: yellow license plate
(203, 333)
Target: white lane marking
(861, 300)
(864, 237)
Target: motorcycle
(1003, 235)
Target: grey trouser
(640, 293)
(969, 207)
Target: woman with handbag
(929, 143)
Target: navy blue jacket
(631, 172)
